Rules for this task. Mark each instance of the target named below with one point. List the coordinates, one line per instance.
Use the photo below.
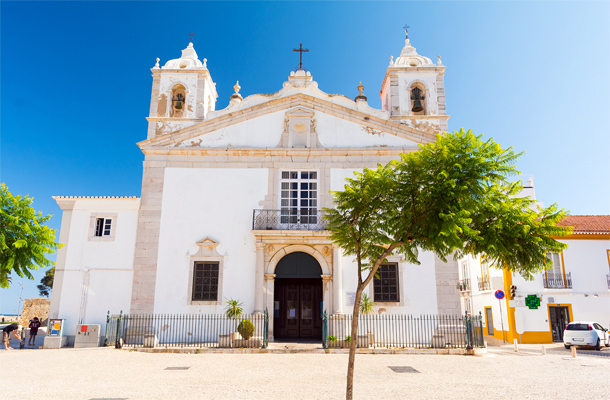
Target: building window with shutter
(385, 286)
(102, 227)
(205, 281)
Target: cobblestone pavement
(107, 373)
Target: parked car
(585, 333)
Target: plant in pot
(367, 307)
(233, 311)
(246, 330)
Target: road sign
(499, 294)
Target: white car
(585, 333)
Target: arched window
(418, 100)
(178, 101)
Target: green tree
(453, 196)
(46, 283)
(24, 237)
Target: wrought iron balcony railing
(289, 219)
(464, 285)
(483, 284)
(557, 281)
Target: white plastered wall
(86, 268)
(215, 203)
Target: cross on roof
(405, 28)
(191, 35)
(301, 50)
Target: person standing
(34, 325)
(6, 335)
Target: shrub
(246, 329)
(331, 338)
(348, 339)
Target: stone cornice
(292, 237)
(277, 151)
(275, 105)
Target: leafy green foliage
(331, 338)
(453, 195)
(246, 329)
(46, 283)
(24, 237)
(367, 306)
(234, 308)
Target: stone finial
(157, 64)
(360, 96)
(236, 95)
(391, 60)
(439, 61)
(205, 63)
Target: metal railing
(608, 280)
(288, 219)
(557, 281)
(483, 284)
(464, 285)
(184, 330)
(404, 331)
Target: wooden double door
(297, 308)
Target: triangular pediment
(262, 126)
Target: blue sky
(75, 82)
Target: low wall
(35, 308)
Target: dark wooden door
(298, 304)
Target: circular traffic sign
(499, 294)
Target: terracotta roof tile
(587, 223)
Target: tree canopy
(452, 197)
(24, 238)
(46, 283)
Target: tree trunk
(349, 393)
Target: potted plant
(367, 307)
(233, 311)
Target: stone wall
(35, 308)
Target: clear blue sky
(75, 82)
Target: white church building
(232, 200)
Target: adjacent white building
(232, 200)
(577, 288)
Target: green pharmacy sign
(532, 302)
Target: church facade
(232, 199)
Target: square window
(205, 281)
(103, 227)
(385, 287)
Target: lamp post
(20, 298)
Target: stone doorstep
(205, 350)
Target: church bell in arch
(179, 101)
(417, 98)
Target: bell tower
(183, 92)
(413, 90)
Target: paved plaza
(107, 373)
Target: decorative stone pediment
(299, 129)
(207, 248)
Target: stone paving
(107, 373)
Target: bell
(417, 107)
(178, 105)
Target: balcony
(557, 281)
(289, 219)
(483, 284)
(464, 285)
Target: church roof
(410, 58)
(93, 197)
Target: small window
(103, 227)
(385, 287)
(205, 281)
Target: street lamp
(20, 298)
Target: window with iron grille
(103, 227)
(205, 281)
(385, 288)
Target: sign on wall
(532, 301)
